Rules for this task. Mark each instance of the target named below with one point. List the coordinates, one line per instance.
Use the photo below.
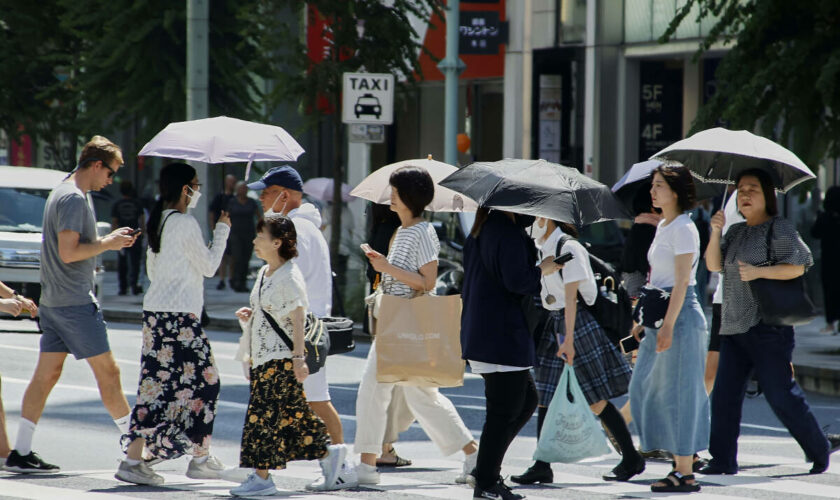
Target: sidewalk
(816, 358)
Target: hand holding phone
(629, 343)
(566, 257)
(134, 232)
(367, 249)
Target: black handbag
(341, 334)
(782, 302)
(316, 338)
(652, 306)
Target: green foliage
(82, 66)
(783, 73)
(370, 36)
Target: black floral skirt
(179, 387)
(279, 425)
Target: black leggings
(511, 400)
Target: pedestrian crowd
(685, 387)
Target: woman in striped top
(409, 269)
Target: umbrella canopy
(222, 140)
(638, 177)
(376, 186)
(321, 188)
(539, 188)
(719, 154)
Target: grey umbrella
(719, 154)
(639, 177)
(539, 188)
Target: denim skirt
(667, 395)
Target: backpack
(612, 308)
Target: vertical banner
(22, 152)
(550, 117)
(660, 106)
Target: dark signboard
(480, 33)
(660, 106)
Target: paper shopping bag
(418, 341)
(571, 431)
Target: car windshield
(22, 209)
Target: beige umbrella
(376, 188)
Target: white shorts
(315, 386)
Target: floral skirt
(279, 425)
(179, 387)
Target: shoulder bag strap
(283, 336)
(770, 241)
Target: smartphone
(566, 257)
(630, 344)
(366, 248)
(134, 232)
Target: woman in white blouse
(279, 424)
(179, 381)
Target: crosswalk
(761, 476)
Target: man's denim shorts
(79, 330)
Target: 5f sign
(368, 98)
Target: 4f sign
(368, 98)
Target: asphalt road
(77, 433)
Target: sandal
(698, 463)
(398, 460)
(675, 482)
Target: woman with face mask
(573, 336)
(179, 381)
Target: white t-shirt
(677, 238)
(577, 269)
(730, 211)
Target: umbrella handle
(728, 177)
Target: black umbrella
(539, 188)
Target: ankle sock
(123, 423)
(618, 427)
(23, 442)
(132, 462)
(201, 459)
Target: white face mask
(270, 212)
(194, 196)
(536, 231)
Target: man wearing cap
(70, 316)
(282, 194)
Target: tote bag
(418, 341)
(570, 432)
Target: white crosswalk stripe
(580, 480)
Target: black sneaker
(29, 464)
(221, 285)
(498, 491)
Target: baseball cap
(283, 176)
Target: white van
(23, 195)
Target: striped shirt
(413, 248)
(739, 310)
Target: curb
(820, 380)
(229, 325)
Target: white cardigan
(177, 272)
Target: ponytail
(152, 225)
(173, 178)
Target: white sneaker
(347, 478)
(331, 464)
(209, 469)
(466, 477)
(255, 486)
(138, 474)
(367, 474)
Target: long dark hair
(680, 181)
(173, 178)
(481, 216)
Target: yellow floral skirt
(279, 425)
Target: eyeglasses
(111, 171)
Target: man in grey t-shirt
(70, 316)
